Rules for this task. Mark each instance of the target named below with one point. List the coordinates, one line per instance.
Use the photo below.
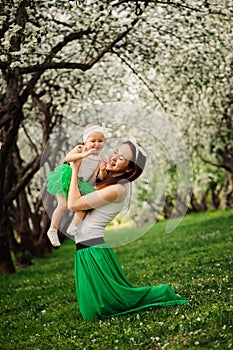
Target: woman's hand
(75, 164)
(102, 163)
(102, 168)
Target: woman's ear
(130, 168)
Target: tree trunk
(227, 192)
(201, 205)
(215, 200)
(6, 262)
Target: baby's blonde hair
(88, 126)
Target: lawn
(39, 310)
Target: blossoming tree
(55, 52)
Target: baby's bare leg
(56, 218)
(78, 217)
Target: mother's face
(119, 161)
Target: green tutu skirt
(58, 181)
(102, 289)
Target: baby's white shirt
(88, 166)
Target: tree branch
(32, 168)
(30, 139)
(185, 6)
(53, 65)
(20, 19)
(62, 23)
(168, 2)
(6, 116)
(31, 84)
(140, 78)
(6, 24)
(113, 43)
(67, 39)
(218, 165)
(72, 65)
(173, 33)
(3, 65)
(41, 68)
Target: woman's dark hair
(136, 166)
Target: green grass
(39, 310)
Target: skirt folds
(58, 181)
(102, 289)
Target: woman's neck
(115, 174)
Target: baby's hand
(91, 151)
(79, 148)
(74, 154)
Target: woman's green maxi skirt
(102, 289)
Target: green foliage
(39, 308)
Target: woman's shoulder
(113, 193)
(121, 190)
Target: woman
(101, 286)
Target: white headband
(89, 131)
(137, 148)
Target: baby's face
(96, 141)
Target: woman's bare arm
(112, 193)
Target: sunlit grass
(39, 309)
